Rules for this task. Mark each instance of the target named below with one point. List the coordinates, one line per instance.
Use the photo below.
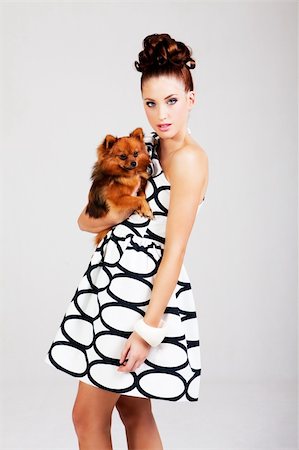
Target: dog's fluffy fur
(119, 178)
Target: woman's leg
(141, 429)
(91, 415)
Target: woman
(147, 368)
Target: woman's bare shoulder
(193, 153)
(194, 160)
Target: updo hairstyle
(163, 55)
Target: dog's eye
(123, 156)
(136, 153)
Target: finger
(124, 352)
(128, 367)
(124, 359)
(136, 365)
(122, 367)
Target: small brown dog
(119, 178)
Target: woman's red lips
(164, 126)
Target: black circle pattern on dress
(114, 293)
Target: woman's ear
(191, 99)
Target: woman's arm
(187, 192)
(92, 225)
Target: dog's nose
(133, 164)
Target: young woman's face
(166, 102)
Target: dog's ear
(106, 145)
(109, 141)
(138, 133)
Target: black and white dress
(114, 293)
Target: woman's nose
(162, 114)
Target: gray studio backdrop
(68, 79)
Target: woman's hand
(92, 225)
(136, 350)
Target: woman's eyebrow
(164, 98)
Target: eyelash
(169, 100)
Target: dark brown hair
(163, 55)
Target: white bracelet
(152, 335)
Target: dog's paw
(147, 212)
(150, 215)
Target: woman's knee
(92, 409)
(88, 424)
(133, 410)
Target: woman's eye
(123, 156)
(136, 153)
(173, 100)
